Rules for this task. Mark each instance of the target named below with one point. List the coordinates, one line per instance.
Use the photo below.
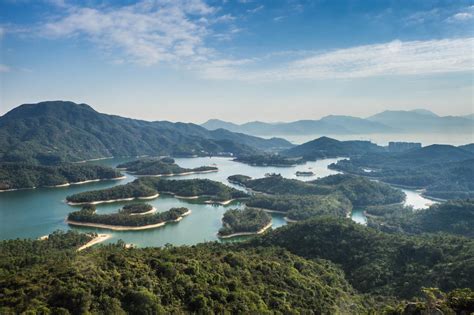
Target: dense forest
(88, 215)
(39, 277)
(325, 147)
(149, 186)
(378, 263)
(248, 220)
(25, 175)
(360, 191)
(298, 207)
(268, 160)
(50, 276)
(136, 208)
(453, 217)
(445, 172)
(165, 166)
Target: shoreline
(124, 227)
(99, 239)
(290, 220)
(153, 210)
(266, 227)
(173, 174)
(71, 203)
(269, 210)
(65, 184)
(223, 203)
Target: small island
(137, 209)
(151, 187)
(301, 173)
(124, 221)
(269, 160)
(244, 222)
(162, 167)
(15, 176)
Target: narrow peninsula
(244, 222)
(122, 221)
(162, 167)
(151, 187)
(15, 176)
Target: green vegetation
(453, 217)
(88, 215)
(325, 147)
(149, 186)
(22, 175)
(303, 207)
(160, 167)
(360, 191)
(268, 160)
(51, 132)
(136, 208)
(378, 263)
(247, 220)
(445, 172)
(207, 278)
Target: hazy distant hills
(418, 120)
(64, 131)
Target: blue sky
(191, 60)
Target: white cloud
(4, 68)
(256, 9)
(393, 58)
(147, 33)
(465, 15)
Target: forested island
(25, 175)
(161, 167)
(269, 160)
(453, 217)
(443, 171)
(87, 216)
(248, 221)
(150, 187)
(380, 272)
(136, 208)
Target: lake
(36, 212)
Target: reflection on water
(37, 212)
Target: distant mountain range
(418, 120)
(55, 131)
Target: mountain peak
(48, 108)
(424, 112)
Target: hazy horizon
(239, 61)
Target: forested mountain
(418, 120)
(54, 131)
(444, 171)
(325, 147)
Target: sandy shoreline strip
(111, 200)
(66, 184)
(173, 174)
(126, 228)
(153, 210)
(266, 227)
(100, 238)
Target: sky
(241, 60)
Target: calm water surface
(36, 212)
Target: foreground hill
(40, 277)
(54, 131)
(380, 263)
